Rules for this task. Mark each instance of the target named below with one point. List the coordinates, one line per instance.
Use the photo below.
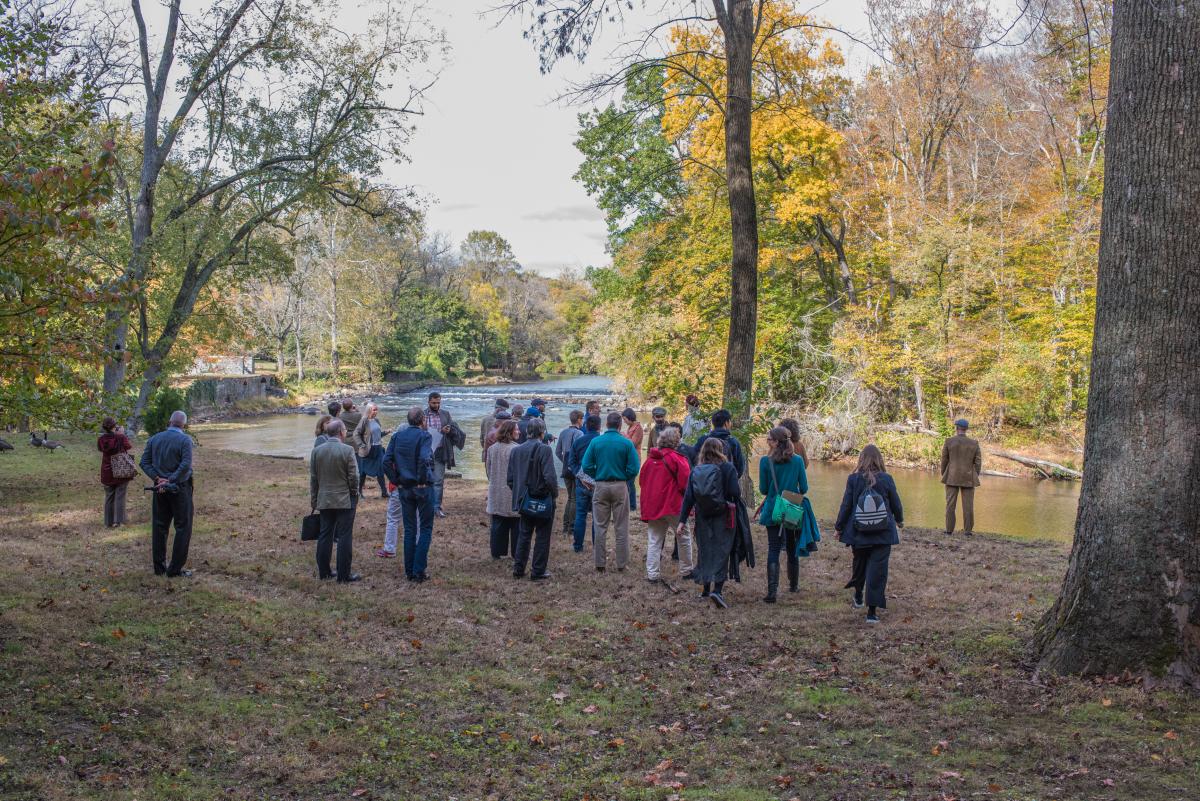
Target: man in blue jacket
(611, 461)
(583, 487)
(408, 465)
(167, 460)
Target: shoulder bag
(122, 465)
(537, 505)
(785, 513)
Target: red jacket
(109, 446)
(662, 483)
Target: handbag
(538, 508)
(785, 513)
(123, 467)
(310, 527)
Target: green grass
(253, 681)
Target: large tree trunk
(739, 32)
(1131, 596)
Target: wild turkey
(51, 444)
(4, 446)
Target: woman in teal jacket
(781, 470)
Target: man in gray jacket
(333, 490)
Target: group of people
(688, 488)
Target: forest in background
(928, 230)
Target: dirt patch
(252, 680)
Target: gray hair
(335, 428)
(668, 438)
(370, 406)
(178, 418)
(416, 417)
(537, 427)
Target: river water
(1016, 507)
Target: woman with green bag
(780, 475)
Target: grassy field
(254, 681)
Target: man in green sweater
(611, 461)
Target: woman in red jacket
(663, 480)
(110, 443)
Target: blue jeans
(439, 478)
(583, 505)
(632, 485)
(416, 508)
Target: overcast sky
(495, 151)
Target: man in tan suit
(962, 462)
(333, 491)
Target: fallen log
(1047, 469)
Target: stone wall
(216, 393)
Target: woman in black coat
(713, 534)
(870, 531)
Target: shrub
(158, 411)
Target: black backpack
(871, 511)
(708, 488)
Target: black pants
(504, 536)
(336, 525)
(362, 483)
(870, 573)
(785, 541)
(166, 508)
(537, 532)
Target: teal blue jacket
(790, 476)
(611, 457)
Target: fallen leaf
(105, 727)
(109, 778)
(505, 737)
(416, 644)
(951, 774)
(995, 788)
(1170, 736)
(358, 792)
(665, 765)
(1106, 702)
(941, 746)
(536, 739)
(616, 742)
(559, 698)
(119, 633)
(1109, 783)
(591, 709)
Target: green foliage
(164, 402)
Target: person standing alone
(333, 491)
(167, 461)
(612, 462)
(962, 461)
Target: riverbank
(252, 680)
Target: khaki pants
(968, 507)
(658, 537)
(610, 504)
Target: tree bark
(1131, 596)
(738, 22)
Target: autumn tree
(273, 108)
(1129, 601)
(53, 178)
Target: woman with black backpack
(868, 522)
(713, 492)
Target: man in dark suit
(962, 462)
(167, 460)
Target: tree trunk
(1131, 596)
(299, 358)
(738, 25)
(279, 355)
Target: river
(1017, 507)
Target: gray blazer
(332, 476)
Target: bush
(158, 411)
